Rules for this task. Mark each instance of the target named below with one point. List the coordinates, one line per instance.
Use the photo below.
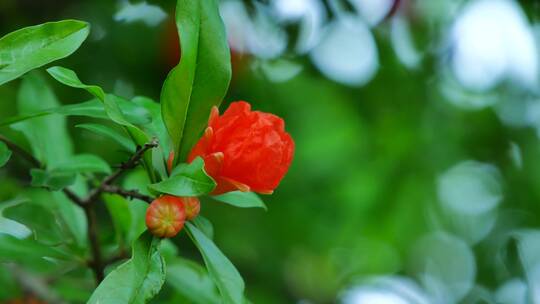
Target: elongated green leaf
(137, 280)
(29, 252)
(45, 227)
(241, 199)
(11, 227)
(64, 173)
(204, 225)
(55, 180)
(90, 108)
(156, 129)
(68, 215)
(35, 46)
(5, 154)
(118, 209)
(110, 133)
(110, 102)
(69, 78)
(192, 281)
(157, 126)
(72, 215)
(48, 136)
(127, 216)
(202, 77)
(82, 163)
(222, 271)
(186, 180)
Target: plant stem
(127, 193)
(130, 164)
(97, 261)
(20, 151)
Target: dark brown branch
(20, 151)
(72, 196)
(96, 264)
(127, 193)
(130, 164)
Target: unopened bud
(193, 207)
(165, 216)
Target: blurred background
(416, 176)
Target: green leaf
(35, 46)
(241, 199)
(5, 154)
(69, 215)
(48, 136)
(69, 78)
(29, 252)
(110, 133)
(156, 129)
(202, 77)
(91, 108)
(55, 180)
(137, 280)
(204, 225)
(186, 180)
(63, 174)
(192, 281)
(45, 227)
(110, 102)
(127, 217)
(157, 126)
(11, 227)
(117, 207)
(72, 215)
(82, 163)
(222, 271)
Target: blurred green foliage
(362, 189)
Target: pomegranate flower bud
(193, 207)
(165, 216)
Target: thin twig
(130, 164)
(20, 151)
(127, 193)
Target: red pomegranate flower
(245, 150)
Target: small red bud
(193, 207)
(165, 216)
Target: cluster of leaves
(63, 238)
